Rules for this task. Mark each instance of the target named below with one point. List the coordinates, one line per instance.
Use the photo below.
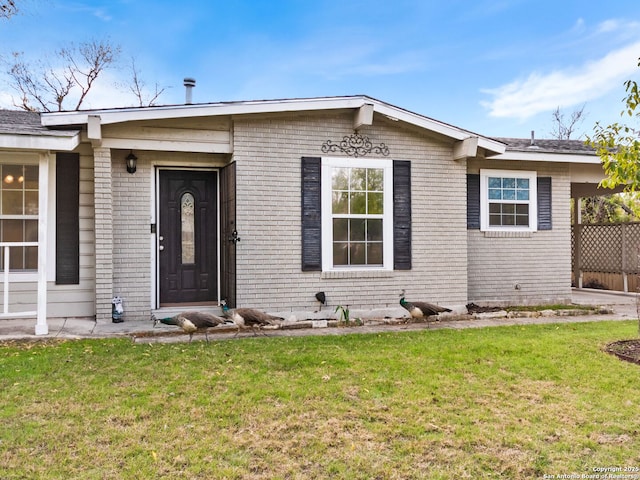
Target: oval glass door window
(187, 208)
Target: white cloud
(539, 93)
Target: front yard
(507, 402)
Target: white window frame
(532, 202)
(46, 197)
(327, 216)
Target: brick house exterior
(273, 241)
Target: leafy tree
(618, 144)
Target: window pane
(31, 177)
(12, 231)
(508, 183)
(494, 208)
(523, 183)
(522, 194)
(12, 202)
(357, 230)
(357, 252)
(340, 179)
(12, 177)
(495, 194)
(31, 202)
(494, 220)
(495, 182)
(30, 230)
(340, 229)
(340, 202)
(374, 254)
(358, 203)
(374, 230)
(31, 258)
(508, 194)
(508, 208)
(376, 203)
(375, 179)
(341, 253)
(358, 179)
(187, 208)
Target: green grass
(509, 402)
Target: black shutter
(311, 218)
(473, 201)
(67, 218)
(401, 215)
(544, 203)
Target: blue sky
(495, 67)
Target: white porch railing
(5, 278)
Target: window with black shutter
(356, 205)
(506, 199)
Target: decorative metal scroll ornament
(355, 145)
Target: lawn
(506, 402)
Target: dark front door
(188, 237)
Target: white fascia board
(548, 157)
(39, 142)
(202, 110)
(450, 131)
(110, 116)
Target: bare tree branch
(45, 87)
(564, 129)
(137, 87)
(8, 8)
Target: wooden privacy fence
(606, 251)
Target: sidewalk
(619, 306)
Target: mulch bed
(628, 350)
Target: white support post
(6, 280)
(43, 186)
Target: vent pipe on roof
(533, 137)
(189, 83)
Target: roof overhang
(33, 142)
(553, 157)
(363, 106)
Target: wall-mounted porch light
(132, 162)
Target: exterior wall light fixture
(132, 162)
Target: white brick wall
(268, 152)
(451, 265)
(539, 263)
(131, 236)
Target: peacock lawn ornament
(191, 322)
(421, 310)
(250, 318)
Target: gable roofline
(121, 115)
